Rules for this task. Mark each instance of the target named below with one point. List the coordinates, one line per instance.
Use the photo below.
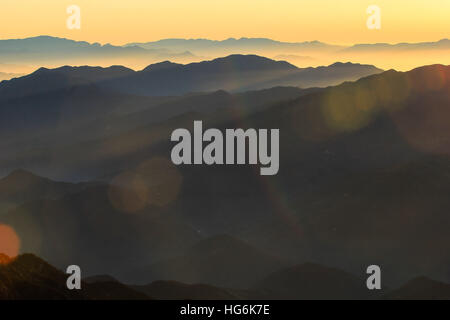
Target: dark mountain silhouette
(46, 80)
(232, 73)
(311, 282)
(57, 102)
(28, 277)
(172, 290)
(421, 288)
(220, 260)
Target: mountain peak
(350, 64)
(252, 62)
(29, 258)
(25, 260)
(21, 174)
(342, 64)
(41, 70)
(164, 65)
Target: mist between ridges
(232, 147)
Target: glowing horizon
(120, 22)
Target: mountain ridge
(374, 175)
(28, 277)
(235, 73)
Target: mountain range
(231, 46)
(398, 56)
(259, 45)
(29, 277)
(361, 172)
(364, 173)
(52, 52)
(99, 102)
(437, 45)
(232, 73)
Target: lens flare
(346, 110)
(424, 124)
(162, 179)
(9, 241)
(128, 192)
(154, 182)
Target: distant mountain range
(34, 48)
(233, 46)
(52, 52)
(421, 46)
(255, 45)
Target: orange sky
(119, 21)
